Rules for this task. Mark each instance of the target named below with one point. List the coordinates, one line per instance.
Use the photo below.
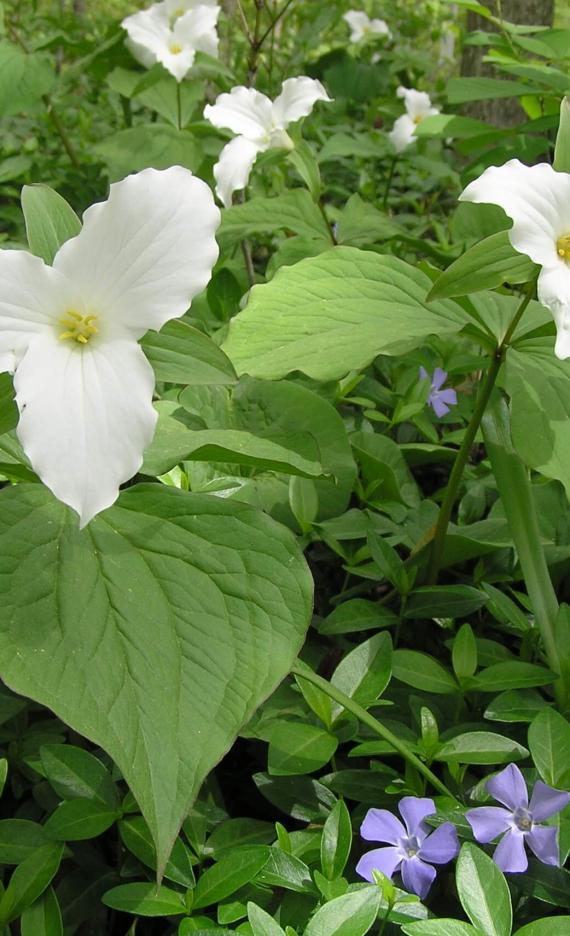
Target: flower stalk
(485, 389)
(305, 672)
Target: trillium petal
(244, 111)
(146, 252)
(546, 801)
(441, 845)
(380, 27)
(417, 876)
(554, 293)
(414, 810)
(179, 7)
(297, 99)
(233, 168)
(148, 30)
(197, 29)
(177, 63)
(488, 822)
(418, 103)
(402, 133)
(509, 788)
(380, 825)
(86, 416)
(544, 843)
(536, 198)
(510, 854)
(357, 21)
(33, 297)
(385, 860)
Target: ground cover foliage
(309, 673)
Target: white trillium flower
(362, 27)
(69, 332)
(261, 125)
(418, 106)
(537, 199)
(154, 36)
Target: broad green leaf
(549, 926)
(513, 674)
(181, 354)
(174, 443)
(298, 748)
(464, 652)
(196, 579)
(562, 149)
(384, 468)
(8, 409)
(451, 125)
(261, 923)
(364, 673)
(488, 264)
(336, 841)
(357, 614)
(483, 891)
(461, 90)
(293, 211)
(513, 706)
(29, 880)
(19, 838)
(78, 819)
(234, 832)
(145, 899)
(481, 747)
(154, 145)
(74, 772)
(350, 915)
(229, 874)
(422, 672)
(334, 313)
(303, 798)
(43, 918)
(24, 78)
(549, 743)
(495, 311)
(537, 383)
(135, 834)
(360, 224)
(440, 928)
(285, 870)
(50, 220)
(444, 601)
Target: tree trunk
(502, 112)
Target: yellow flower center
(175, 48)
(179, 12)
(563, 247)
(77, 327)
(418, 119)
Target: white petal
(537, 198)
(197, 29)
(146, 252)
(380, 27)
(149, 30)
(177, 63)
(358, 21)
(141, 54)
(554, 293)
(232, 170)
(33, 297)
(297, 99)
(179, 7)
(402, 133)
(418, 103)
(245, 111)
(86, 416)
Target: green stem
(485, 389)
(61, 132)
(515, 490)
(389, 182)
(179, 104)
(305, 672)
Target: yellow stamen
(418, 119)
(563, 247)
(175, 48)
(77, 327)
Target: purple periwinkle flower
(440, 400)
(520, 820)
(411, 847)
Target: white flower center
(175, 48)
(522, 818)
(410, 846)
(78, 327)
(563, 247)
